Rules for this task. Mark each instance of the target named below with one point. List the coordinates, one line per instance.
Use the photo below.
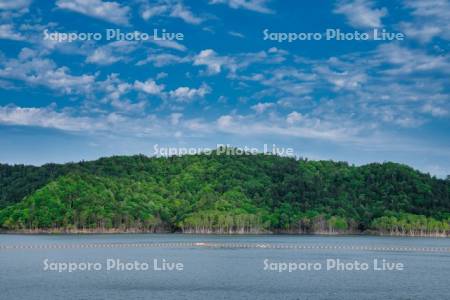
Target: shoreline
(268, 233)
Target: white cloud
(305, 127)
(33, 69)
(420, 31)
(253, 5)
(13, 8)
(7, 32)
(46, 117)
(114, 91)
(67, 120)
(161, 75)
(406, 60)
(14, 4)
(236, 34)
(211, 60)
(128, 106)
(216, 63)
(149, 87)
(197, 126)
(361, 13)
(262, 107)
(429, 8)
(108, 11)
(430, 20)
(224, 122)
(434, 110)
(186, 94)
(162, 59)
(175, 118)
(169, 44)
(182, 12)
(398, 116)
(152, 11)
(293, 117)
(102, 56)
(286, 80)
(111, 53)
(170, 8)
(342, 80)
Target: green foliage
(410, 224)
(221, 193)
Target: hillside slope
(223, 194)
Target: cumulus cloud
(430, 20)
(13, 8)
(361, 13)
(114, 91)
(393, 85)
(7, 32)
(112, 12)
(293, 117)
(348, 79)
(30, 67)
(225, 122)
(186, 94)
(262, 107)
(149, 87)
(422, 32)
(431, 8)
(211, 60)
(406, 60)
(111, 53)
(215, 63)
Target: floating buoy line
(211, 245)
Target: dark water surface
(222, 273)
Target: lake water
(222, 267)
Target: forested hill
(223, 194)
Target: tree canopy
(223, 194)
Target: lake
(146, 266)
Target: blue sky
(358, 101)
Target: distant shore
(137, 231)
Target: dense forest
(223, 194)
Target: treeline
(222, 223)
(411, 225)
(223, 194)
